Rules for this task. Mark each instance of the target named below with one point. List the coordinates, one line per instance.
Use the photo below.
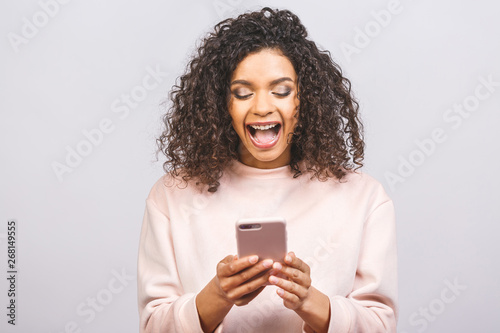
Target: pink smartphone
(265, 237)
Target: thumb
(228, 259)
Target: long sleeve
(372, 304)
(163, 306)
(345, 231)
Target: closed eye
(283, 94)
(242, 96)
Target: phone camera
(250, 226)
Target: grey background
(76, 233)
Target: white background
(78, 231)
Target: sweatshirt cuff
(192, 314)
(340, 317)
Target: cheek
(293, 125)
(237, 120)
(233, 113)
(292, 114)
(293, 120)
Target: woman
(264, 124)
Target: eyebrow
(274, 82)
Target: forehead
(265, 65)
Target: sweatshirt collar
(241, 169)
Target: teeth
(263, 127)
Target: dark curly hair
(199, 140)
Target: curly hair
(199, 138)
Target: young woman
(264, 124)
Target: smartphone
(265, 237)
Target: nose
(263, 104)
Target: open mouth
(264, 136)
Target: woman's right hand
(237, 282)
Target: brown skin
(231, 286)
(199, 140)
(298, 295)
(255, 79)
(264, 89)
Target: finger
(292, 260)
(251, 272)
(231, 265)
(289, 286)
(248, 287)
(228, 283)
(290, 300)
(244, 300)
(292, 274)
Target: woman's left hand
(294, 287)
(293, 280)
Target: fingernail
(253, 259)
(267, 263)
(277, 266)
(288, 259)
(273, 279)
(280, 292)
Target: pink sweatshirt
(344, 231)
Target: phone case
(265, 237)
